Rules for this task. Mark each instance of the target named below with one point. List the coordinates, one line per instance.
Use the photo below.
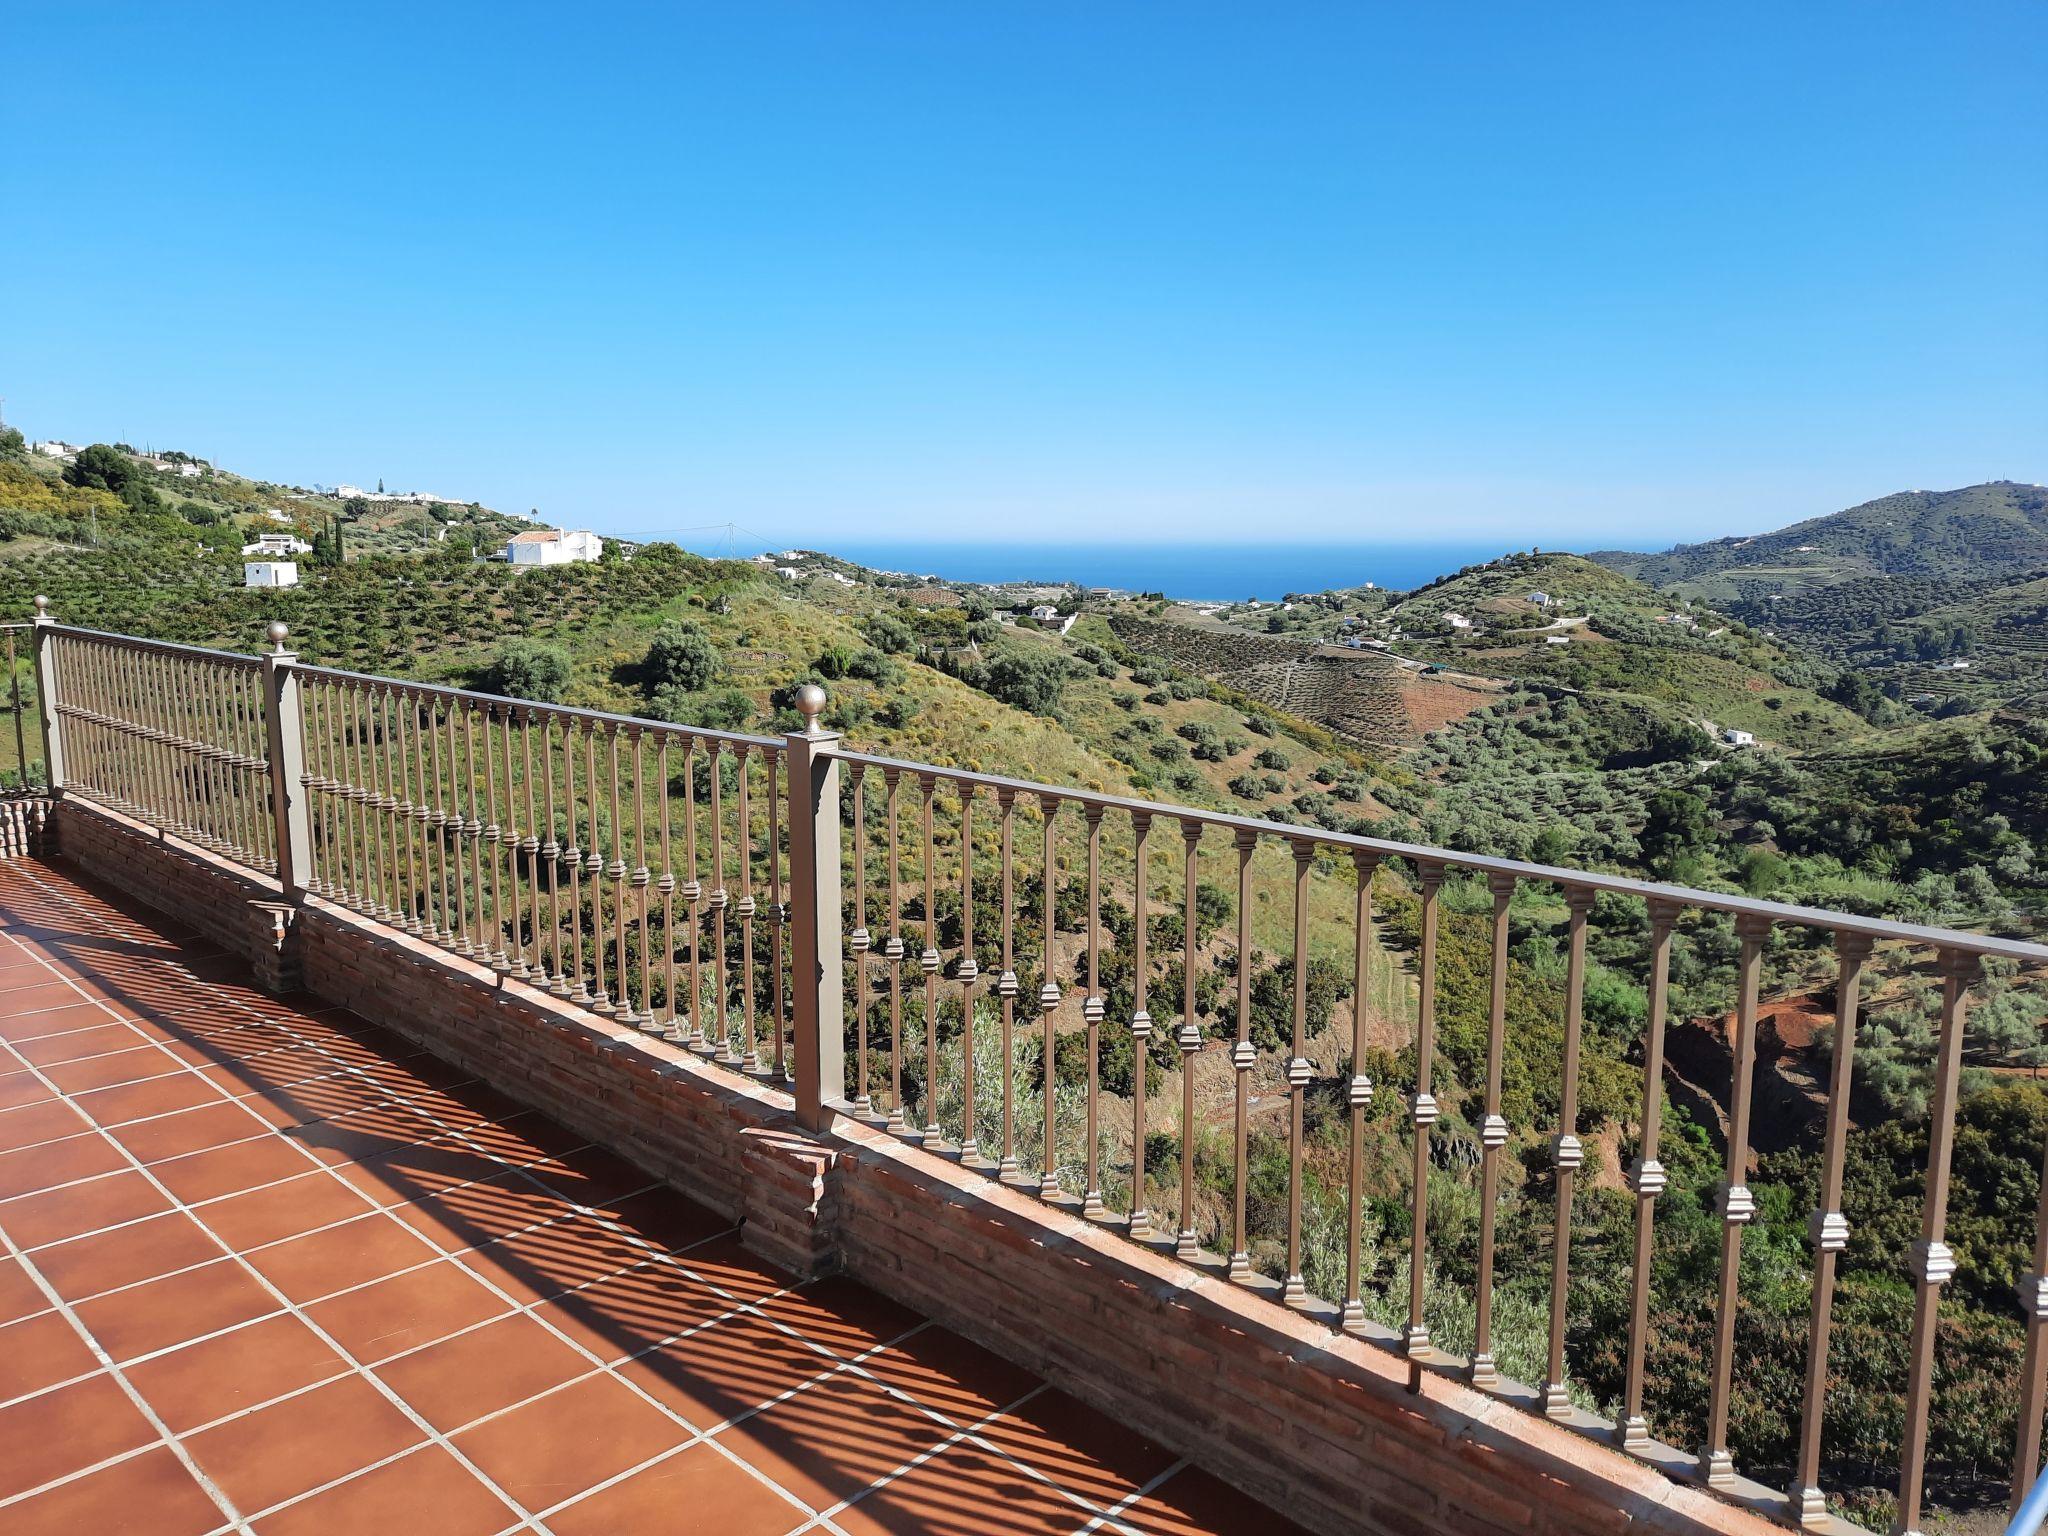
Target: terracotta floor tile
(39, 1353)
(460, 1379)
(527, 1138)
(278, 1211)
(1192, 1503)
(144, 1063)
(831, 1440)
(100, 1039)
(406, 1311)
(466, 1216)
(964, 1491)
(148, 1099)
(1081, 1450)
(25, 1002)
(426, 1490)
(717, 1495)
(625, 1313)
(338, 1258)
(187, 1131)
(240, 1072)
(274, 1453)
(52, 1215)
(147, 1495)
(230, 1169)
(33, 1124)
(59, 1432)
(20, 1296)
(232, 1371)
(668, 1220)
(409, 1170)
(951, 1375)
(555, 1258)
(57, 1162)
(594, 1178)
(726, 1264)
(22, 1087)
(364, 1135)
(142, 1250)
(327, 1097)
(555, 1447)
(31, 1028)
(841, 1314)
(724, 1370)
(176, 1308)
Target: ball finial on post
(42, 606)
(810, 703)
(277, 632)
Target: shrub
(682, 658)
(1030, 682)
(524, 670)
(1273, 757)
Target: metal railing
(699, 885)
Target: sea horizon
(1191, 571)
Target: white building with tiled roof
(553, 546)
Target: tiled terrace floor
(266, 1268)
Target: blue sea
(1221, 572)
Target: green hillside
(1997, 527)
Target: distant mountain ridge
(1997, 528)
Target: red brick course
(1307, 1419)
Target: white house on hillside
(1736, 738)
(270, 573)
(553, 546)
(278, 544)
(1457, 621)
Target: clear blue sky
(1571, 273)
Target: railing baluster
(1091, 1017)
(448, 893)
(593, 871)
(1358, 1093)
(928, 962)
(1933, 1263)
(529, 966)
(966, 974)
(1737, 1206)
(778, 914)
(1049, 1002)
(693, 897)
(1189, 1039)
(893, 950)
(622, 1000)
(860, 941)
(1422, 1113)
(1242, 1057)
(1295, 1291)
(1646, 1177)
(749, 1059)
(718, 900)
(1567, 1153)
(1007, 987)
(1828, 1230)
(494, 833)
(1493, 1135)
(1139, 1223)
(643, 877)
(572, 858)
(671, 1028)
(2033, 1298)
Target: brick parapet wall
(1320, 1425)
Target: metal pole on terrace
(815, 958)
(46, 698)
(285, 745)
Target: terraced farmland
(1365, 697)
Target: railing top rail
(136, 643)
(1478, 863)
(559, 711)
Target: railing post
(46, 700)
(285, 746)
(815, 949)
